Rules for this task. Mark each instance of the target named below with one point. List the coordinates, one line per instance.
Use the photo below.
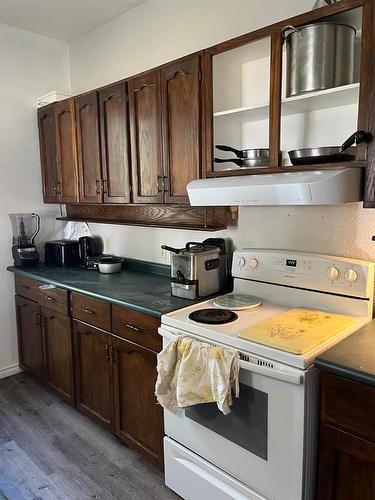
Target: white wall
(161, 30)
(30, 66)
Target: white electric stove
(265, 448)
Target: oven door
(261, 442)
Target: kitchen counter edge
(71, 288)
(353, 358)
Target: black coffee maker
(90, 247)
(25, 227)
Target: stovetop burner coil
(213, 316)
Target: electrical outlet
(163, 254)
(107, 244)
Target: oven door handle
(283, 375)
(292, 378)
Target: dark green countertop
(134, 287)
(354, 357)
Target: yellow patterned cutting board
(297, 330)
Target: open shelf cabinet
(244, 111)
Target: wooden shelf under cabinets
(168, 216)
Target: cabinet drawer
(93, 311)
(140, 328)
(349, 405)
(55, 299)
(27, 287)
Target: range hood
(317, 187)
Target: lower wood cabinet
(110, 377)
(138, 417)
(58, 353)
(347, 467)
(45, 346)
(30, 339)
(93, 372)
(347, 440)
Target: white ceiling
(62, 19)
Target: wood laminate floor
(48, 450)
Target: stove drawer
(191, 477)
(137, 327)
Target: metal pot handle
(356, 138)
(287, 30)
(237, 152)
(238, 161)
(171, 249)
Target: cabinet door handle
(87, 311)
(51, 299)
(104, 186)
(132, 327)
(85, 332)
(38, 319)
(113, 354)
(97, 186)
(26, 287)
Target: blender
(25, 227)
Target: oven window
(246, 425)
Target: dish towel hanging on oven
(192, 372)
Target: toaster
(62, 252)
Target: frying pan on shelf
(329, 154)
(246, 153)
(244, 162)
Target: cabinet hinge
(165, 184)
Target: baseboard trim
(10, 370)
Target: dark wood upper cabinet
(146, 137)
(180, 82)
(66, 151)
(115, 144)
(47, 145)
(29, 332)
(58, 352)
(93, 373)
(138, 416)
(88, 140)
(178, 112)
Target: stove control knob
(333, 273)
(241, 262)
(351, 276)
(253, 263)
